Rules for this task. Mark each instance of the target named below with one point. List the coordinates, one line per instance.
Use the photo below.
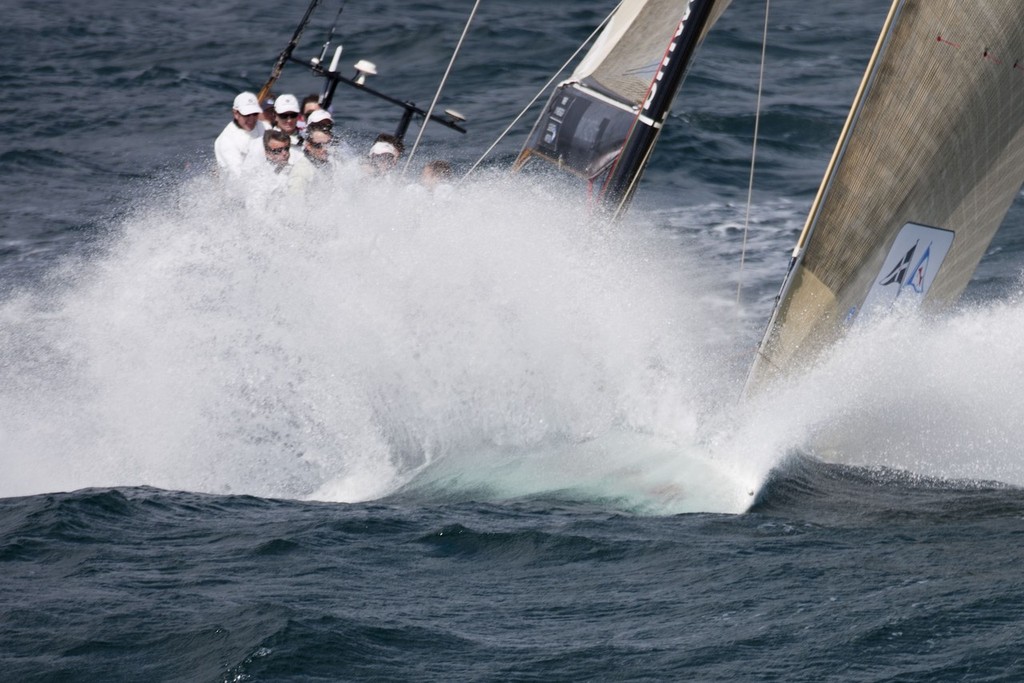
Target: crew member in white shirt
(235, 141)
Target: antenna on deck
(363, 69)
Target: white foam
(502, 340)
(336, 348)
(935, 396)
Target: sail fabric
(624, 59)
(590, 116)
(933, 149)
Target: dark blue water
(378, 437)
(838, 574)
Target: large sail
(602, 122)
(930, 159)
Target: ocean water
(376, 435)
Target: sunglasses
(319, 145)
(288, 115)
(277, 150)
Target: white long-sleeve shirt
(233, 144)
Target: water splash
(935, 396)
(340, 348)
(496, 343)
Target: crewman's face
(288, 121)
(245, 121)
(383, 163)
(277, 152)
(318, 144)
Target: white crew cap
(246, 104)
(319, 115)
(383, 148)
(285, 104)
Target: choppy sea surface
(377, 434)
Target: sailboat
(601, 124)
(927, 165)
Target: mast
(636, 151)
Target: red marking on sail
(987, 54)
(947, 42)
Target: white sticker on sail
(910, 267)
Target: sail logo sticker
(910, 267)
(668, 57)
(917, 275)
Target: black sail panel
(601, 124)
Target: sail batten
(934, 145)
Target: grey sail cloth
(935, 137)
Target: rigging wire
(440, 87)
(753, 153)
(541, 91)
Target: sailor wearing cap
(287, 109)
(326, 147)
(320, 118)
(268, 116)
(384, 153)
(235, 141)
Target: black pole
(403, 123)
(622, 179)
(409, 108)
